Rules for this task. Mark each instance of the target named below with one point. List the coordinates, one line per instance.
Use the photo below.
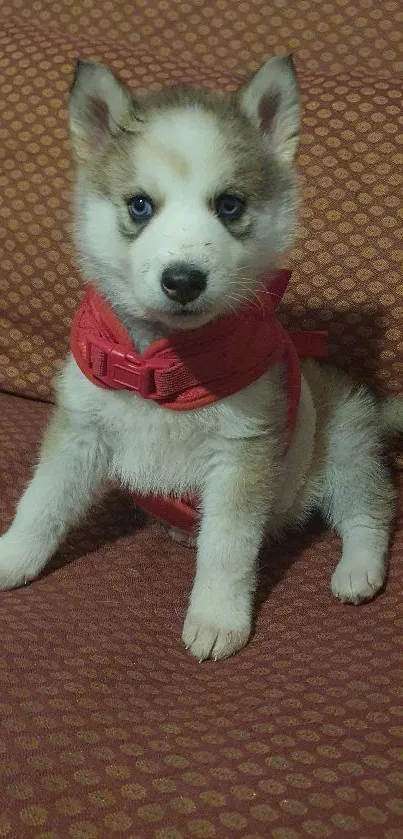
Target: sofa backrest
(348, 256)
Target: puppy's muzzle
(183, 283)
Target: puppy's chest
(154, 449)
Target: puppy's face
(183, 197)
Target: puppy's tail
(392, 415)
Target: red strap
(312, 344)
(182, 514)
(187, 370)
(190, 370)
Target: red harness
(193, 369)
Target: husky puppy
(183, 199)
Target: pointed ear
(98, 105)
(271, 102)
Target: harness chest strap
(190, 370)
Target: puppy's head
(183, 197)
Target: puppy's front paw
(353, 582)
(205, 640)
(215, 633)
(15, 569)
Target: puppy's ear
(271, 102)
(99, 103)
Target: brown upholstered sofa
(107, 727)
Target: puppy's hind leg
(72, 464)
(359, 498)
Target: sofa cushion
(108, 727)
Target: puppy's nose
(183, 282)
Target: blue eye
(229, 207)
(140, 208)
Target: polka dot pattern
(108, 727)
(334, 34)
(347, 260)
(349, 252)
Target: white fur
(230, 453)
(184, 230)
(207, 451)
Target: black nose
(183, 282)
